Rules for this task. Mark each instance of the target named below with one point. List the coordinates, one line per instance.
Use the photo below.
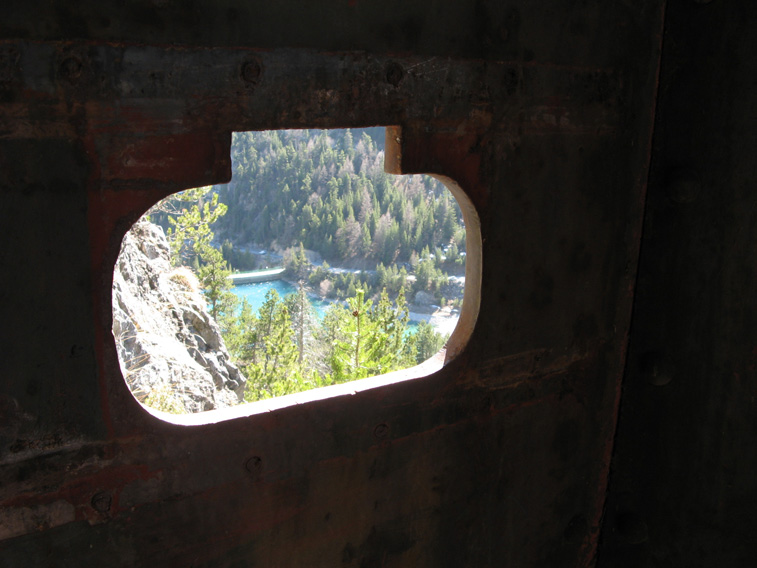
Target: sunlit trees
(427, 342)
(283, 348)
(214, 276)
(303, 321)
(296, 263)
(190, 215)
(298, 192)
(369, 339)
(331, 193)
(270, 351)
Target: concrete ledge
(257, 276)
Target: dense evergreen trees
(284, 349)
(328, 191)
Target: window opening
(312, 267)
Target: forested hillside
(328, 191)
(324, 191)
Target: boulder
(170, 349)
(423, 298)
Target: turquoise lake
(255, 295)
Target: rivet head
(254, 465)
(70, 68)
(251, 71)
(394, 73)
(101, 502)
(381, 431)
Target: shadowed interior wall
(683, 487)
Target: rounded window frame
(456, 344)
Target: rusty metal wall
(542, 114)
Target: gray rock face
(171, 351)
(423, 298)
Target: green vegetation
(295, 192)
(190, 214)
(164, 398)
(326, 191)
(427, 342)
(329, 192)
(284, 349)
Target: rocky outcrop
(171, 351)
(423, 302)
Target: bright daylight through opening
(312, 267)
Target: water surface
(255, 295)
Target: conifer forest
(319, 204)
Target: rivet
(254, 465)
(381, 431)
(70, 68)
(251, 71)
(394, 73)
(101, 502)
(683, 186)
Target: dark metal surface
(542, 114)
(683, 489)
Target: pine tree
(303, 320)
(427, 342)
(368, 339)
(190, 230)
(273, 354)
(214, 277)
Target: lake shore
(442, 320)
